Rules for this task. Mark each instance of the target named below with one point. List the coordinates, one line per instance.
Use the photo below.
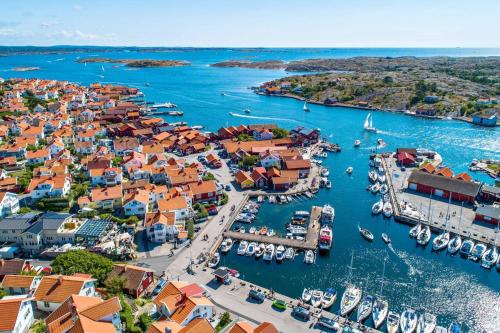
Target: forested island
(135, 62)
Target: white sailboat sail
(368, 125)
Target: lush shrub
(81, 261)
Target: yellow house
(244, 179)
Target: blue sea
(452, 288)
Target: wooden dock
(310, 242)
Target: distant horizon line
(259, 47)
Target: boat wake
(406, 259)
(264, 118)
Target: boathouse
(488, 214)
(484, 120)
(440, 186)
(406, 159)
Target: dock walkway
(310, 242)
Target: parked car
(228, 188)
(328, 323)
(301, 313)
(159, 286)
(257, 295)
(279, 304)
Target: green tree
(225, 319)
(3, 293)
(114, 285)
(39, 327)
(244, 137)
(145, 321)
(249, 161)
(208, 176)
(81, 261)
(279, 133)
(127, 317)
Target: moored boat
(280, 253)
(259, 251)
(408, 321)
(214, 261)
(316, 297)
(325, 238)
(309, 257)
(226, 245)
(392, 322)
(290, 253)
(477, 251)
(269, 253)
(372, 176)
(424, 236)
(466, 248)
(325, 172)
(328, 298)
(375, 187)
(441, 241)
(306, 295)
(387, 209)
(383, 189)
(327, 214)
(489, 257)
(242, 248)
(454, 244)
(350, 299)
(364, 308)
(379, 312)
(251, 249)
(414, 231)
(426, 323)
(377, 207)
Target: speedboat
(309, 257)
(296, 230)
(280, 253)
(372, 176)
(327, 214)
(477, 251)
(350, 299)
(349, 170)
(455, 328)
(325, 238)
(259, 251)
(489, 257)
(242, 249)
(364, 308)
(366, 234)
(415, 230)
(357, 143)
(252, 230)
(454, 244)
(251, 249)
(379, 312)
(270, 232)
(290, 253)
(424, 236)
(226, 245)
(381, 178)
(466, 248)
(263, 231)
(214, 261)
(316, 297)
(426, 323)
(328, 184)
(383, 189)
(247, 110)
(328, 298)
(441, 241)
(306, 295)
(325, 172)
(269, 253)
(375, 188)
(387, 209)
(386, 238)
(377, 207)
(408, 321)
(392, 322)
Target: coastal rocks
(25, 69)
(138, 63)
(267, 64)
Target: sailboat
(380, 306)
(351, 296)
(368, 125)
(408, 320)
(365, 308)
(392, 322)
(102, 67)
(426, 323)
(306, 108)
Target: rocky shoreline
(138, 63)
(266, 64)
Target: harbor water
(453, 288)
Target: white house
(162, 227)
(136, 203)
(263, 135)
(21, 284)
(269, 160)
(17, 313)
(57, 186)
(55, 289)
(177, 205)
(107, 176)
(9, 204)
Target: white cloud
(47, 25)
(77, 7)
(7, 32)
(78, 35)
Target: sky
(256, 23)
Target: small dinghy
(441, 241)
(377, 207)
(309, 257)
(366, 234)
(387, 209)
(290, 253)
(349, 170)
(242, 249)
(226, 245)
(415, 230)
(328, 298)
(372, 176)
(386, 238)
(489, 258)
(316, 297)
(306, 295)
(214, 261)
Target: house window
(46, 304)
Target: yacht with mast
(426, 323)
(380, 305)
(408, 320)
(305, 107)
(368, 125)
(351, 296)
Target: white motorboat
(306, 295)
(414, 231)
(280, 253)
(357, 143)
(259, 251)
(328, 298)
(379, 312)
(349, 170)
(251, 249)
(454, 244)
(350, 299)
(372, 176)
(269, 253)
(466, 248)
(272, 199)
(226, 245)
(309, 257)
(242, 230)
(325, 172)
(477, 251)
(289, 198)
(290, 253)
(305, 107)
(384, 189)
(328, 184)
(375, 188)
(424, 236)
(386, 238)
(366, 234)
(252, 230)
(426, 323)
(368, 124)
(377, 207)
(325, 238)
(214, 261)
(242, 248)
(441, 241)
(408, 321)
(327, 214)
(316, 297)
(387, 209)
(489, 257)
(296, 230)
(381, 178)
(392, 322)
(270, 232)
(364, 308)
(260, 199)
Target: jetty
(457, 223)
(310, 242)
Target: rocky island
(431, 87)
(266, 64)
(140, 63)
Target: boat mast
(350, 268)
(382, 280)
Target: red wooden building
(443, 186)
(488, 214)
